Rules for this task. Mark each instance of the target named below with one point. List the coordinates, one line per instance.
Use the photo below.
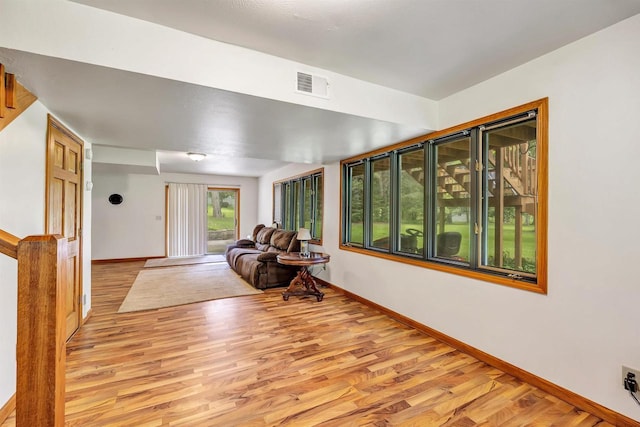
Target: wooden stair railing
(519, 170)
(9, 244)
(14, 98)
(41, 348)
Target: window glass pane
(307, 195)
(221, 219)
(411, 201)
(453, 200)
(295, 194)
(380, 202)
(286, 224)
(295, 204)
(317, 229)
(277, 203)
(510, 183)
(356, 204)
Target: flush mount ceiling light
(196, 157)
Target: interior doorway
(223, 211)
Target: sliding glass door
(223, 211)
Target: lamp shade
(303, 234)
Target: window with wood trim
(469, 200)
(298, 202)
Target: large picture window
(297, 202)
(469, 200)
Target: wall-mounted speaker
(115, 199)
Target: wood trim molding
(568, 396)
(473, 274)
(112, 260)
(86, 319)
(10, 90)
(21, 99)
(8, 409)
(214, 188)
(300, 175)
(3, 93)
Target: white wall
(22, 213)
(22, 177)
(580, 334)
(136, 228)
(588, 325)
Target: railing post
(41, 348)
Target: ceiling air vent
(310, 84)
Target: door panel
(56, 198)
(58, 160)
(64, 201)
(71, 296)
(70, 209)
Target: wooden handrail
(9, 244)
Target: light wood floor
(261, 361)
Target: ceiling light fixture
(196, 157)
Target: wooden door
(64, 210)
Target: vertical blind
(187, 220)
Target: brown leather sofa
(255, 259)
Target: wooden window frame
(538, 283)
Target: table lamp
(304, 236)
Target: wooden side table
(303, 283)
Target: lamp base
(304, 248)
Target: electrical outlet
(626, 370)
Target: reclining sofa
(255, 259)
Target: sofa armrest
(268, 256)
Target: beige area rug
(169, 286)
(166, 262)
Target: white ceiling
(431, 48)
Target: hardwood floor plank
(261, 361)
